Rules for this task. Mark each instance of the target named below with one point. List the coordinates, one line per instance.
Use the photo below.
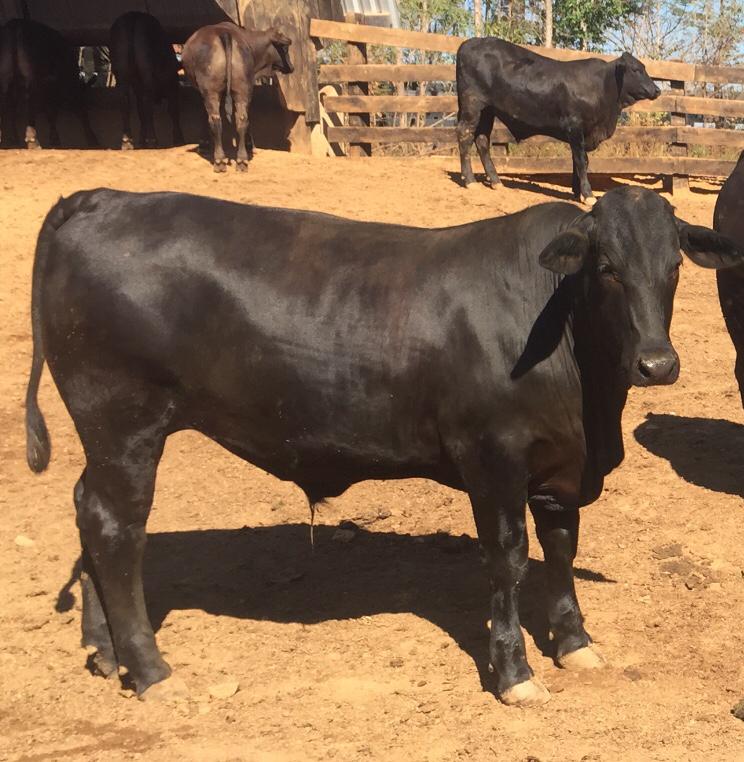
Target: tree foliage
(585, 24)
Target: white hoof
(168, 690)
(529, 693)
(583, 658)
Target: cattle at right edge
(144, 63)
(577, 102)
(225, 59)
(728, 218)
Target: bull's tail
(38, 446)
(226, 39)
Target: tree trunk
(548, 32)
(478, 17)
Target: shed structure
(87, 23)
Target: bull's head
(625, 254)
(633, 82)
(279, 54)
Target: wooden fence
(676, 165)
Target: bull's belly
(325, 458)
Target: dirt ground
(374, 648)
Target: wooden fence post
(357, 54)
(677, 182)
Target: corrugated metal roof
(374, 8)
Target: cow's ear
(568, 251)
(707, 248)
(279, 38)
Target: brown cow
(143, 61)
(225, 58)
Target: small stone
(126, 693)
(224, 690)
(396, 662)
(672, 550)
(694, 581)
(738, 710)
(632, 674)
(24, 542)
(344, 535)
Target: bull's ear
(707, 248)
(568, 251)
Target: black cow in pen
(144, 64)
(577, 102)
(38, 72)
(493, 357)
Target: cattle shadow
(531, 183)
(707, 452)
(272, 573)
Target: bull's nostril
(646, 368)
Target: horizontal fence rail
(442, 43)
(356, 105)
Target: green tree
(585, 24)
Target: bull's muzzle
(655, 367)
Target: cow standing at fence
(493, 357)
(143, 62)
(728, 218)
(577, 102)
(225, 59)
(38, 72)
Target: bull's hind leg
(468, 118)
(558, 532)
(498, 495)
(95, 630)
(212, 105)
(112, 511)
(243, 130)
(483, 144)
(580, 180)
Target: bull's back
(531, 94)
(336, 336)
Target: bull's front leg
(175, 115)
(498, 495)
(127, 140)
(581, 187)
(557, 530)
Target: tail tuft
(38, 446)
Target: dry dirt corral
(373, 648)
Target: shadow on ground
(272, 573)
(707, 452)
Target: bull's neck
(614, 94)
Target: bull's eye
(606, 271)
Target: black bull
(578, 102)
(728, 219)
(493, 357)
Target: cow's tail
(38, 446)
